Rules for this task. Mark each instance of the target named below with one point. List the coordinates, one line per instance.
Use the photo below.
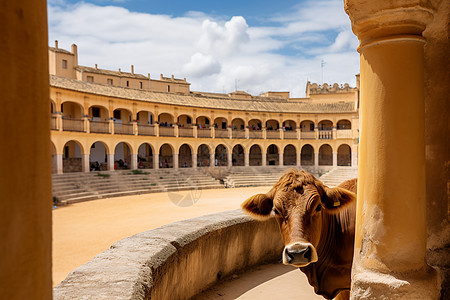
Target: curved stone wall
(175, 261)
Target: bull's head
(299, 203)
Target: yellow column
(25, 183)
(390, 237)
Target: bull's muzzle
(299, 254)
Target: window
(96, 112)
(64, 64)
(117, 114)
(128, 83)
(168, 88)
(140, 84)
(109, 81)
(90, 78)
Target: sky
(218, 46)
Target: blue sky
(258, 45)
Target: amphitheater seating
(77, 187)
(337, 175)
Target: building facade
(105, 120)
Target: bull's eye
(319, 207)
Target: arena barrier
(175, 261)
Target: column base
(372, 284)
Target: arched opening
(272, 125)
(165, 120)
(203, 122)
(325, 155)
(272, 156)
(289, 125)
(238, 156)
(98, 157)
(184, 121)
(344, 124)
(122, 156)
(344, 155)
(221, 156)
(98, 119)
(325, 130)
(289, 156)
(122, 121)
(72, 161)
(307, 156)
(145, 118)
(185, 156)
(238, 124)
(166, 156)
(255, 156)
(72, 116)
(145, 156)
(220, 123)
(203, 156)
(307, 126)
(254, 124)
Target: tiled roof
(59, 50)
(256, 104)
(109, 72)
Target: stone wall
(176, 261)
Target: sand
(82, 230)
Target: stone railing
(175, 261)
(73, 124)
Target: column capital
(374, 21)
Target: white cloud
(214, 53)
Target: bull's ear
(335, 198)
(258, 206)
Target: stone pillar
(230, 159)
(195, 131)
(25, 183)
(212, 159)
(316, 159)
(86, 124)
(135, 128)
(280, 159)
(155, 161)
(213, 132)
(85, 164)
(264, 133)
(390, 234)
(175, 160)
(59, 122)
(134, 162)
(230, 132)
(110, 162)
(194, 160)
(246, 159)
(334, 132)
(176, 131)
(156, 130)
(59, 163)
(111, 126)
(335, 158)
(247, 133)
(299, 158)
(281, 132)
(263, 159)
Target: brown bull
(317, 224)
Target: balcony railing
(221, 133)
(204, 132)
(166, 131)
(73, 124)
(344, 134)
(146, 130)
(272, 134)
(238, 134)
(255, 134)
(53, 123)
(185, 132)
(291, 135)
(123, 128)
(308, 135)
(325, 134)
(99, 127)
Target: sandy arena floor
(80, 231)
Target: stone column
(263, 159)
(230, 159)
(280, 159)
(194, 160)
(175, 160)
(246, 159)
(156, 130)
(155, 161)
(59, 122)
(212, 159)
(59, 163)
(176, 131)
(134, 162)
(299, 159)
(135, 128)
(111, 126)
(85, 164)
(110, 162)
(390, 235)
(316, 159)
(335, 159)
(213, 132)
(86, 124)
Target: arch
(238, 155)
(166, 156)
(272, 124)
(165, 119)
(72, 159)
(325, 125)
(238, 124)
(255, 124)
(307, 126)
(54, 158)
(203, 155)
(71, 110)
(307, 155)
(98, 158)
(221, 155)
(220, 123)
(344, 124)
(122, 156)
(145, 156)
(289, 155)
(52, 106)
(325, 155)
(289, 125)
(344, 155)
(255, 155)
(203, 121)
(272, 155)
(98, 113)
(122, 116)
(145, 117)
(185, 156)
(184, 120)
